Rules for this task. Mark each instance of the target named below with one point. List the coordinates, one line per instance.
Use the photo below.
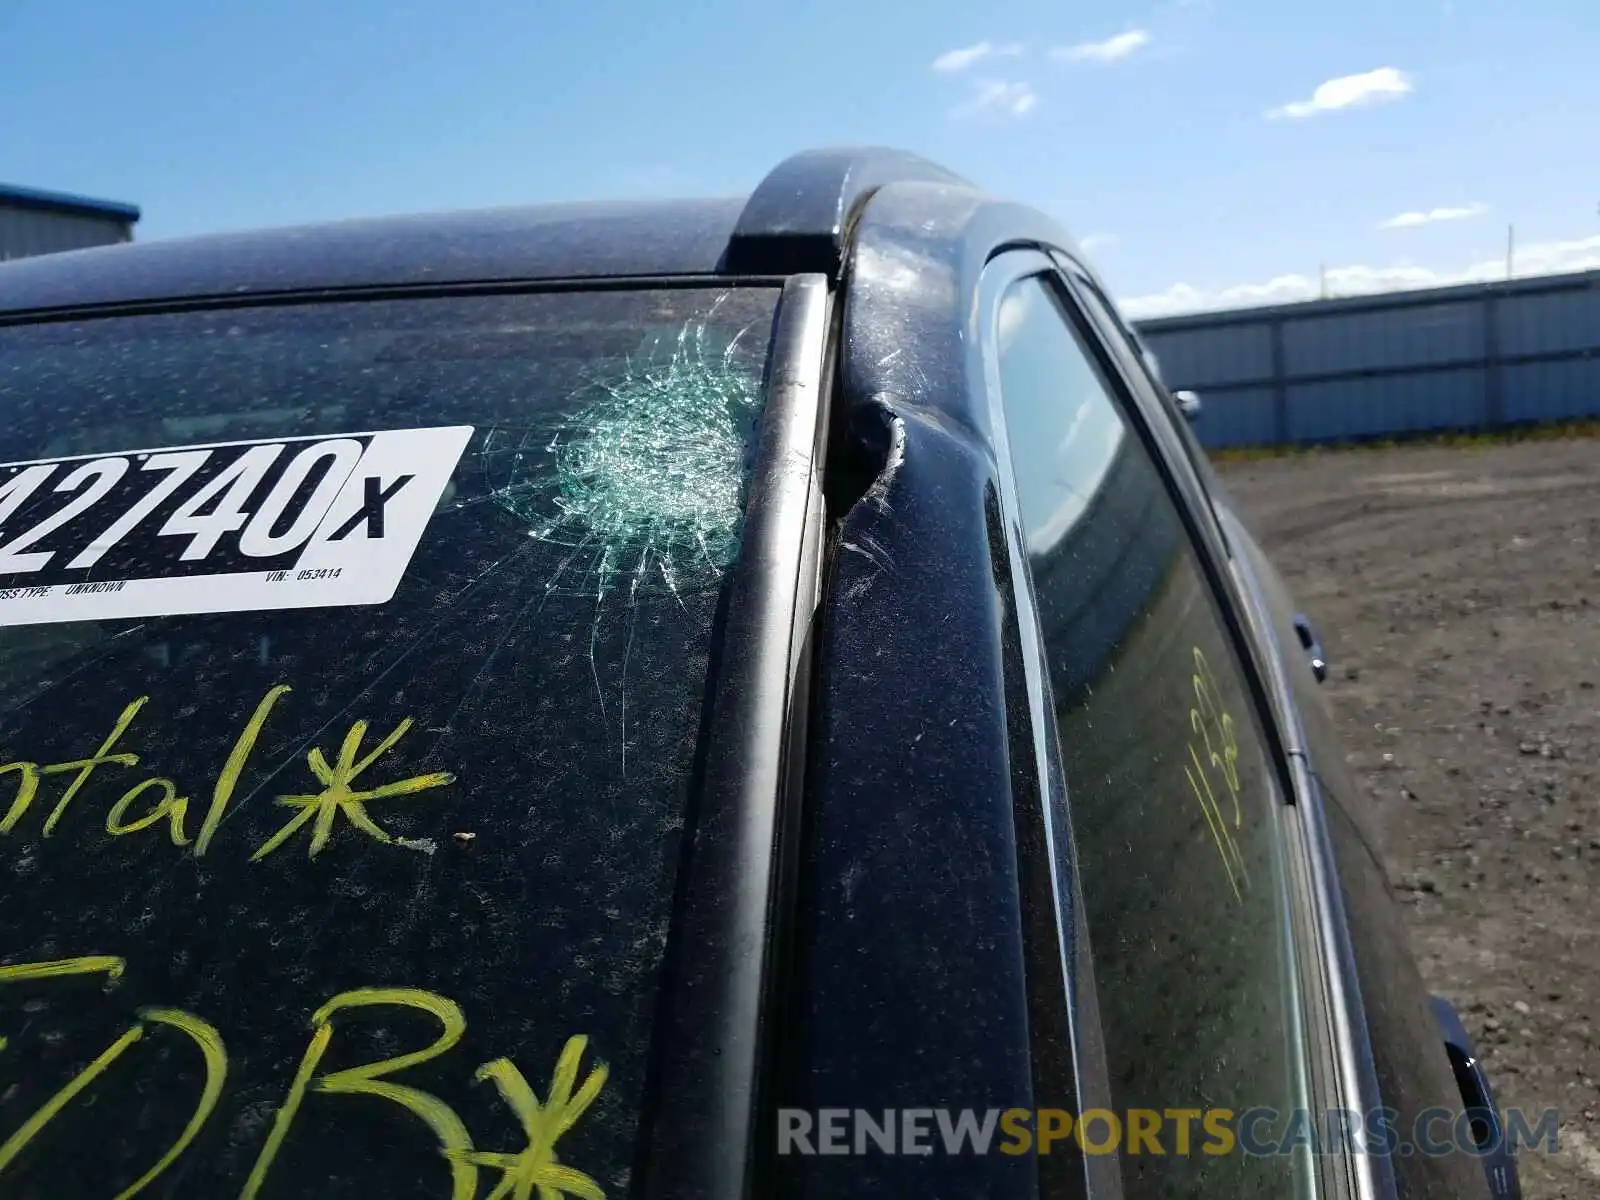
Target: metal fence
(1473, 357)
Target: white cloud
(1110, 50)
(1410, 220)
(953, 61)
(1090, 242)
(1348, 91)
(1538, 258)
(1000, 98)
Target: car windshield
(353, 659)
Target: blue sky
(1186, 141)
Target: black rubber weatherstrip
(702, 1134)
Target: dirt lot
(1458, 591)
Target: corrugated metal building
(1471, 357)
(35, 222)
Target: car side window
(1173, 796)
(1110, 319)
(1107, 316)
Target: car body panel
(1398, 1036)
(907, 934)
(546, 242)
(942, 1018)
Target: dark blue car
(698, 699)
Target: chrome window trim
(1091, 1083)
(713, 1041)
(1317, 981)
(1325, 998)
(1318, 878)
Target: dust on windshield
(353, 659)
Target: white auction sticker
(308, 522)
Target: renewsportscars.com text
(1260, 1132)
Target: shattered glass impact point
(641, 486)
(647, 486)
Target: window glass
(1106, 315)
(1114, 323)
(360, 891)
(1172, 796)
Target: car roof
(572, 241)
(797, 219)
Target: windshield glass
(352, 664)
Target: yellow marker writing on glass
(535, 1168)
(371, 1079)
(228, 778)
(1221, 757)
(337, 798)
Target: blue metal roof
(78, 206)
(562, 241)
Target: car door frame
(1326, 1034)
(1099, 1175)
(1321, 780)
(1341, 1080)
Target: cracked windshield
(351, 729)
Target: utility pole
(1511, 248)
(1322, 272)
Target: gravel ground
(1458, 593)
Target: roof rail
(796, 218)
